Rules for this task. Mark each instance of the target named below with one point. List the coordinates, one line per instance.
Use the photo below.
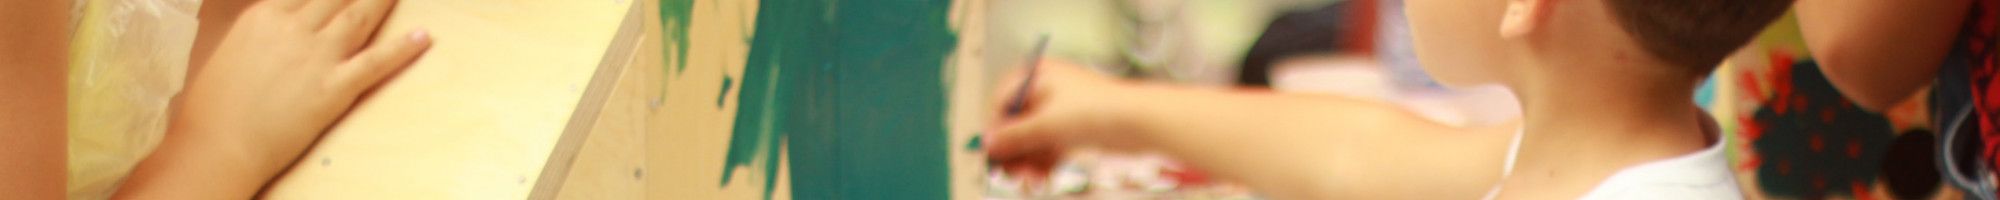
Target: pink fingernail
(420, 36)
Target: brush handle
(1019, 103)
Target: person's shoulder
(1701, 175)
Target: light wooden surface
(648, 144)
(972, 77)
(611, 162)
(477, 117)
(689, 132)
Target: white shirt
(1700, 175)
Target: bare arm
(1322, 147)
(193, 155)
(34, 54)
(1290, 146)
(1878, 53)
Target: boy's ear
(1523, 17)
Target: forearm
(33, 56)
(203, 158)
(1299, 146)
(1878, 53)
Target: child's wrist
(195, 133)
(1131, 106)
(248, 145)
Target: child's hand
(285, 72)
(290, 68)
(1066, 106)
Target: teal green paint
(853, 90)
(725, 92)
(674, 18)
(976, 143)
(755, 137)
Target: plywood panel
(691, 122)
(702, 130)
(684, 102)
(611, 164)
(477, 117)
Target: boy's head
(1466, 42)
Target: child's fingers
(379, 61)
(1019, 139)
(1004, 95)
(1027, 157)
(353, 26)
(315, 12)
(280, 5)
(1008, 98)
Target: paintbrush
(1034, 63)
(1019, 103)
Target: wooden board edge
(616, 59)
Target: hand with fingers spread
(294, 66)
(286, 71)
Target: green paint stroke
(725, 92)
(975, 144)
(674, 18)
(853, 91)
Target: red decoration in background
(1985, 107)
(1781, 82)
(1803, 139)
(1860, 191)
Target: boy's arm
(1289, 146)
(33, 58)
(1298, 146)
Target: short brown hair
(1695, 33)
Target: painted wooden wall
(782, 99)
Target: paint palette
(1092, 175)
